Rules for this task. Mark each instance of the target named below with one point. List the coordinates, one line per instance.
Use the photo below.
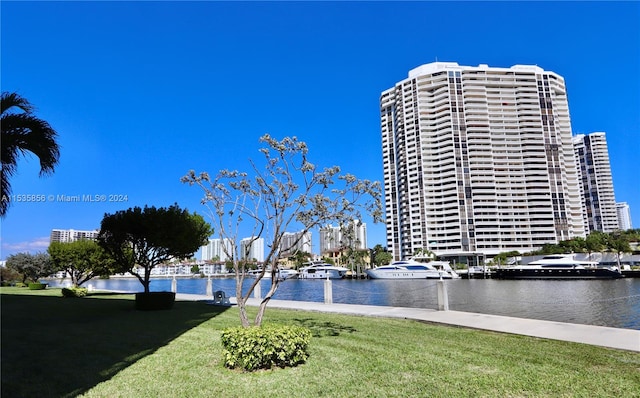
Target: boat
(558, 267)
(283, 273)
(321, 270)
(475, 272)
(413, 269)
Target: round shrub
(37, 286)
(265, 347)
(74, 292)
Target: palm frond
(14, 100)
(26, 133)
(22, 132)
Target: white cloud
(32, 246)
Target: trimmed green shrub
(20, 284)
(264, 347)
(37, 286)
(74, 291)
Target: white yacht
(412, 269)
(283, 273)
(321, 270)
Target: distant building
(478, 160)
(334, 239)
(293, 242)
(252, 249)
(71, 235)
(596, 183)
(214, 250)
(624, 216)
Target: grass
(99, 346)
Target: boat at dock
(282, 273)
(412, 269)
(321, 270)
(558, 267)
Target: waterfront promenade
(623, 339)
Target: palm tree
(23, 132)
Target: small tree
(380, 256)
(31, 266)
(300, 257)
(289, 191)
(82, 260)
(151, 236)
(595, 242)
(618, 243)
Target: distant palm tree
(23, 132)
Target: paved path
(623, 339)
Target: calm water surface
(614, 303)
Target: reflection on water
(614, 303)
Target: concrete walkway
(623, 339)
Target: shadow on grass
(61, 347)
(322, 329)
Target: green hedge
(74, 291)
(37, 286)
(265, 347)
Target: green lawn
(99, 346)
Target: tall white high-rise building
(71, 235)
(293, 242)
(478, 160)
(624, 216)
(252, 249)
(598, 199)
(215, 250)
(334, 238)
(329, 239)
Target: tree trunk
(147, 276)
(242, 300)
(263, 304)
(242, 306)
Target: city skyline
(194, 85)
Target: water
(614, 303)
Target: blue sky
(142, 92)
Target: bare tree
(287, 192)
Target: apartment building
(71, 235)
(478, 160)
(252, 249)
(596, 183)
(335, 238)
(214, 250)
(293, 242)
(624, 216)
